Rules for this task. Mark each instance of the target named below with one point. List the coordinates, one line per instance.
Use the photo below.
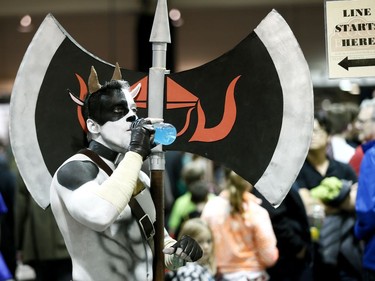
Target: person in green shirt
(189, 205)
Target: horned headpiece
(94, 85)
(93, 82)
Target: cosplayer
(97, 200)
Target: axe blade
(266, 139)
(298, 108)
(269, 103)
(44, 128)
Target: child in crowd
(205, 268)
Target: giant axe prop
(251, 109)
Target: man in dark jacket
(291, 227)
(317, 167)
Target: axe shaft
(159, 37)
(157, 183)
(157, 165)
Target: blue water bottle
(165, 133)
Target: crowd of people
(323, 230)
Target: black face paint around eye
(113, 107)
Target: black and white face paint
(113, 113)
(116, 106)
(112, 102)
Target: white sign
(350, 38)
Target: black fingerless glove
(140, 141)
(190, 247)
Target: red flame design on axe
(203, 134)
(179, 97)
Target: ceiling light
(25, 24)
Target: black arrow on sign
(346, 63)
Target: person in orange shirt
(245, 243)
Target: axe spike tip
(160, 32)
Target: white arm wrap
(118, 188)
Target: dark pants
(56, 270)
(368, 275)
(290, 270)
